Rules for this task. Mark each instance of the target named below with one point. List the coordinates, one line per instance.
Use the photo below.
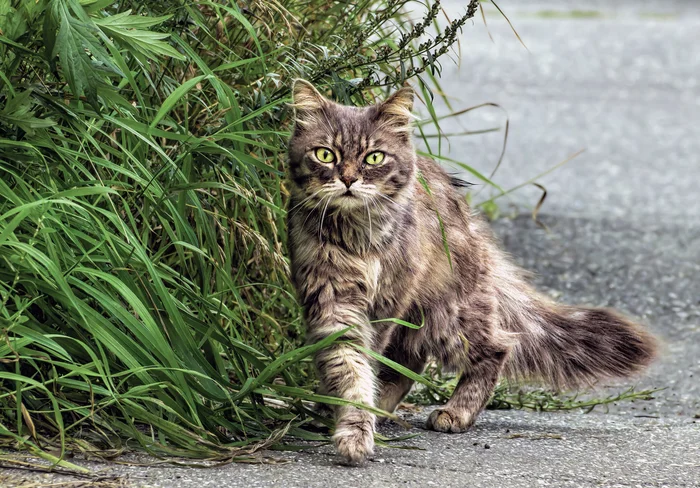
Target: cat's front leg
(344, 371)
(347, 373)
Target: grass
(513, 396)
(144, 291)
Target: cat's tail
(566, 346)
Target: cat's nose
(348, 180)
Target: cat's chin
(349, 202)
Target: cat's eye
(325, 155)
(375, 158)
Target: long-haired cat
(367, 242)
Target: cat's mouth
(349, 200)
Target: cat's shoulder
(430, 168)
(434, 175)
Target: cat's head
(349, 156)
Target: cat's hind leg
(485, 359)
(394, 386)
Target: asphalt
(622, 81)
(624, 86)
(505, 449)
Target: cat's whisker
(373, 201)
(387, 198)
(369, 219)
(312, 211)
(380, 213)
(291, 212)
(303, 201)
(299, 206)
(323, 215)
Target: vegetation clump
(144, 293)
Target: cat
(368, 225)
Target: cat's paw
(323, 409)
(449, 420)
(325, 412)
(382, 421)
(354, 436)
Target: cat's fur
(379, 253)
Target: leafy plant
(144, 293)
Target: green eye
(375, 158)
(325, 155)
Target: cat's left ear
(397, 109)
(306, 100)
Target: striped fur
(374, 249)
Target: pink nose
(348, 180)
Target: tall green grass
(144, 292)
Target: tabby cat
(368, 221)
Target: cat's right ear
(396, 111)
(306, 101)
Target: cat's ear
(396, 110)
(306, 100)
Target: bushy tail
(568, 347)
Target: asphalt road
(513, 449)
(620, 80)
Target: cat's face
(348, 157)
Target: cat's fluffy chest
(386, 277)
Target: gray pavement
(624, 86)
(621, 80)
(505, 449)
